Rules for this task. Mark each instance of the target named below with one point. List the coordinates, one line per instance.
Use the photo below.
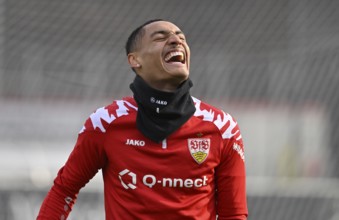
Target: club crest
(199, 148)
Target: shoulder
(226, 124)
(101, 118)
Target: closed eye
(164, 35)
(160, 38)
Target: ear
(133, 60)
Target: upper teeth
(172, 54)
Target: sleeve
(83, 163)
(231, 179)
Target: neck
(160, 113)
(164, 85)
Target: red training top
(198, 172)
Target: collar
(161, 113)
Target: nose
(174, 40)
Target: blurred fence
(272, 64)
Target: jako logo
(138, 143)
(157, 101)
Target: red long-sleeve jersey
(198, 172)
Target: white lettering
(238, 149)
(161, 102)
(167, 182)
(196, 184)
(205, 181)
(176, 182)
(138, 143)
(150, 183)
(188, 183)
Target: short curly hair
(135, 37)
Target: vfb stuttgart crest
(199, 148)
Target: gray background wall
(272, 64)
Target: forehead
(160, 26)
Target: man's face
(163, 55)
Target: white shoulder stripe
(206, 115)
(101, 114)
(122, 110)
(130, 105)
(220, 121)
(228, 133)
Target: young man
(163, 153)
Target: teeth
(172, 54)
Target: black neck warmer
(161, 113)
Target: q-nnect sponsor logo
(151, 180)
(131, 183)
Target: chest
(192, 150)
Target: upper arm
(83, 163)
(231, 179)
(87, 157)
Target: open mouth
(175, 57)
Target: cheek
(153, 57)
(151, 63)
(151, 51)
(188, 51)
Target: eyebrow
(163, 32)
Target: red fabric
(148, 180)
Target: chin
(181, 76)
(176, 70)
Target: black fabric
(161, 113)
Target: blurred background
(273, 65)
